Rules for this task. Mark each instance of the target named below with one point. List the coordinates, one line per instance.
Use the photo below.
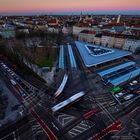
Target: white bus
(61, 87)
(68, 101)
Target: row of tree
(55, 37)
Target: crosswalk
(32, 97)
(36, 129)
(80, 128)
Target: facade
(87, 36)
(77, 29)
(97, 39)
(132, 45)
(8, 31)
(67, 30)
(107, 41)
(53, 30)
(118, 42)
(111, 41)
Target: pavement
(12, 101)
(19, 130)
(48, 76)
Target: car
(138, 92)
(129, 96)
(116, 95)
(133, 82)
(16, 77)
(8, 70)
(22, 93)
(13, 82)
(4, 66)
(120, 94)
(12, 74)
(134, 88)
(116, 90)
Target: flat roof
(125, 77)
(61, 57)
(72, 58)
(116, 68)
(92, 60)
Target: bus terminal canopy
(105, 55)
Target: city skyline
(69, 6)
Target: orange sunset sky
(67, 5)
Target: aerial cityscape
(70, 70)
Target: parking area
(128, 92)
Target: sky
(54, 6)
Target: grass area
(44, 62)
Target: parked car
(120, 94)
(134, 88)
(133, 82)
(138, 92)
(13, 82)
(22, 93)
(129, 96)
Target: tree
(0, 37)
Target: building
(107, 41)
(53, 29)
(87, 36)
(132, 44)
(97, 39)
(7, 31)
(120, 74)
(67, 30)
(78, 29)
(126, 42)
(96, 55)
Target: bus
(61, 87)
(67, 102)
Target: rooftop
(93, 60)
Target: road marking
(10, 134)
(80, 128)
(45, 128)
(54, 126)
(77, 130)
(64, 119)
